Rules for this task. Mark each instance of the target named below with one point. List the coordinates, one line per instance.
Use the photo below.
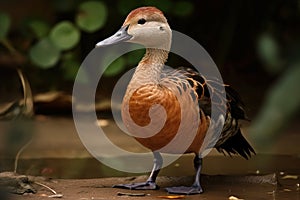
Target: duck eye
(142, 21)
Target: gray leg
(196, 187)
(150, 183)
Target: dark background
(255, 44)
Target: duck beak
(120, 36)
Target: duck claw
(138, 186)
(185, 190)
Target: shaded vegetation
(255, 44)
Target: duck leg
(196, 187)
(150, 183)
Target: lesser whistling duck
(150, 85)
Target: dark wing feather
(236, 104)
(231, 139)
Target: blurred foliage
(38, 27)
(44, 53)
(115, 67)
(281, 105)
(268, 51)
(49, 43)
(91, 16)
(256, 39)
(5, 23)
(65, 35)
(60, 44)
(70, 65)
(278, 47)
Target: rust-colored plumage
(152, 14)
(139, 105)
(149, 95)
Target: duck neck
(149, 68)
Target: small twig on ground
(45, 186)
(56, 195)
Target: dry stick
(56, 195)
(19, 153)
(28, 99)
(26, 111)
(49, 188)
(27, 94)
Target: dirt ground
(58, 154)
(216, 187)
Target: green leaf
(70, 66)
(4, 25)
(91, 16)
(65, 35)
(39, 27)
(183, 8)
(44, 53)
(115, 67)
(268, 51)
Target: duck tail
(237, 144)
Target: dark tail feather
(237, 144)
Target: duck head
(146, 26)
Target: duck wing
(231, 140)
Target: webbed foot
(196, 187)
(185, 190)
(148, 185)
